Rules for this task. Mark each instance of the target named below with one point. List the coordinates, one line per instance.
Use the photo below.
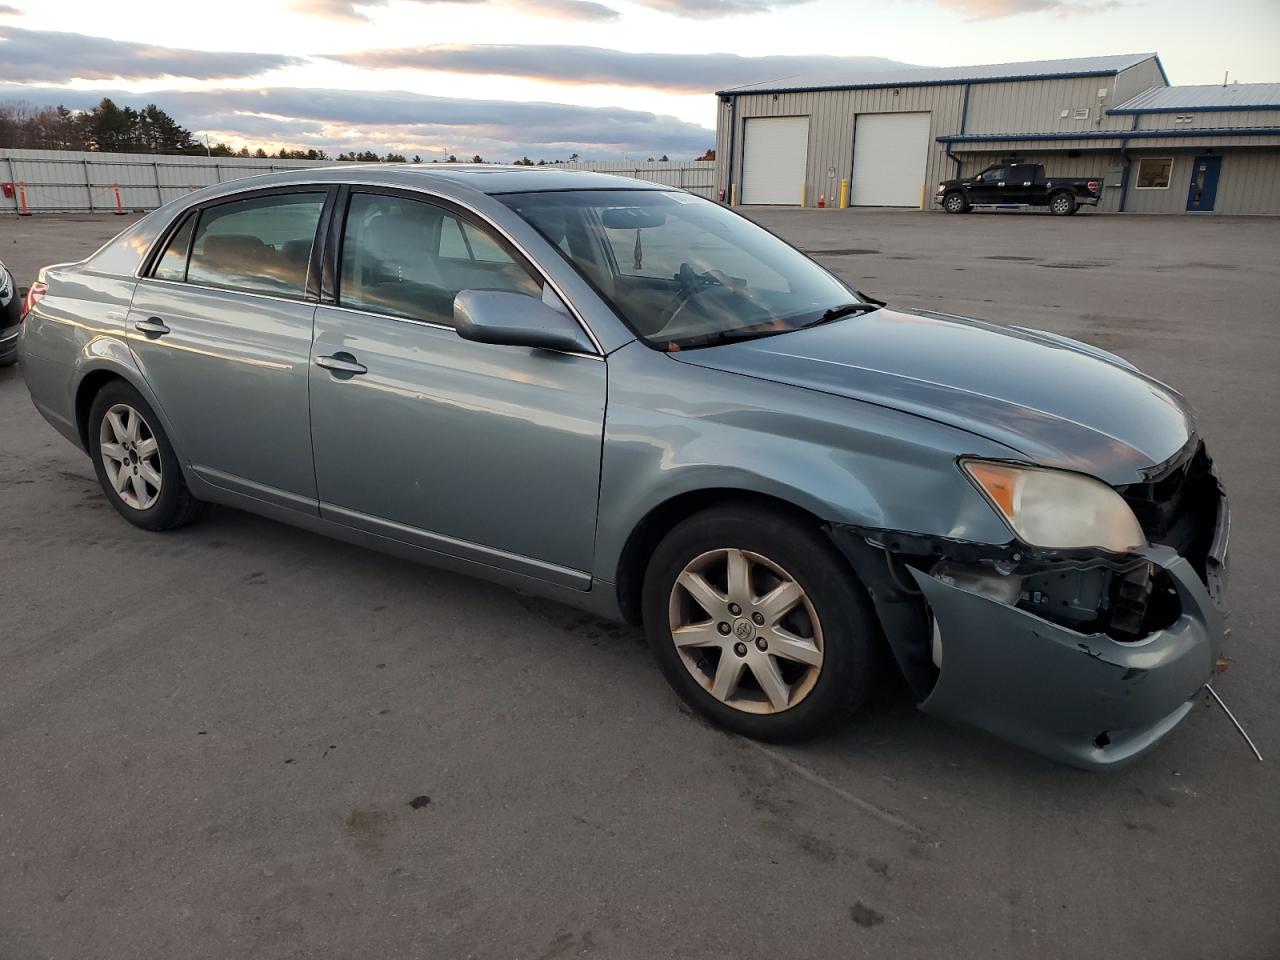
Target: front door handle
(152, 326)
(342, 363)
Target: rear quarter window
(122, 255)
(172, 264)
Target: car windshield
(683, 272)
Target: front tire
(1062, 204)
(135, 462)
(759, 624)
(955, 202)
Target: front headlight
(1056, 508)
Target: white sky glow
(1242, 36)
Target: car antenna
(1232, 717)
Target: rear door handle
(341, 363)
(152, 327)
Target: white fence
(68, 181)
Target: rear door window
(258, 244)
(407, 258)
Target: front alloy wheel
(758, 622)
(746, 631)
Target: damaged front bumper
(1074, 693)
(1081, 698)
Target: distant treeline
(109, 128)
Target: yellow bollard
(844, 194)
(804, 193)
(733, 194)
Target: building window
(1154, 173)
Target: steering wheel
(691, 285)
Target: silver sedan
(635, 401)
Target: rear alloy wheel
(955, 203)
(759, 623)
(1063, 205)
(130, 456)
(135, 462)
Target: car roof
(482, 177)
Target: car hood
(1056, 401)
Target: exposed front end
(1087, 656)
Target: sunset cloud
(53, 56)
(556, 63)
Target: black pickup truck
(1013, 184)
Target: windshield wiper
(844, 310)
(769, 329)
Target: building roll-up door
(890, 151)
(775, 151)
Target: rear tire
(135, 462)
(1062, 204)
(955, 202)
(795, 659)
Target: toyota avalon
(633, 400)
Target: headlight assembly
(1056, 508)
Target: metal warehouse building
(894, 135)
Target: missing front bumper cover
(1128, 653)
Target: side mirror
(516, 320)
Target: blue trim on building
(1124, 176)
(1223, 109)
(1163, 76)
(1112, 135)
(889, 85)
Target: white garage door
(774, 153)
(889, 155)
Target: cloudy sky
(546, 78)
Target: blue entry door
(1204, 183)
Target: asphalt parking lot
(216, 742)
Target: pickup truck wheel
(955, 203)
(758, 623)
(1062, 204)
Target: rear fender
(107, 357)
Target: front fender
(674, 428)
